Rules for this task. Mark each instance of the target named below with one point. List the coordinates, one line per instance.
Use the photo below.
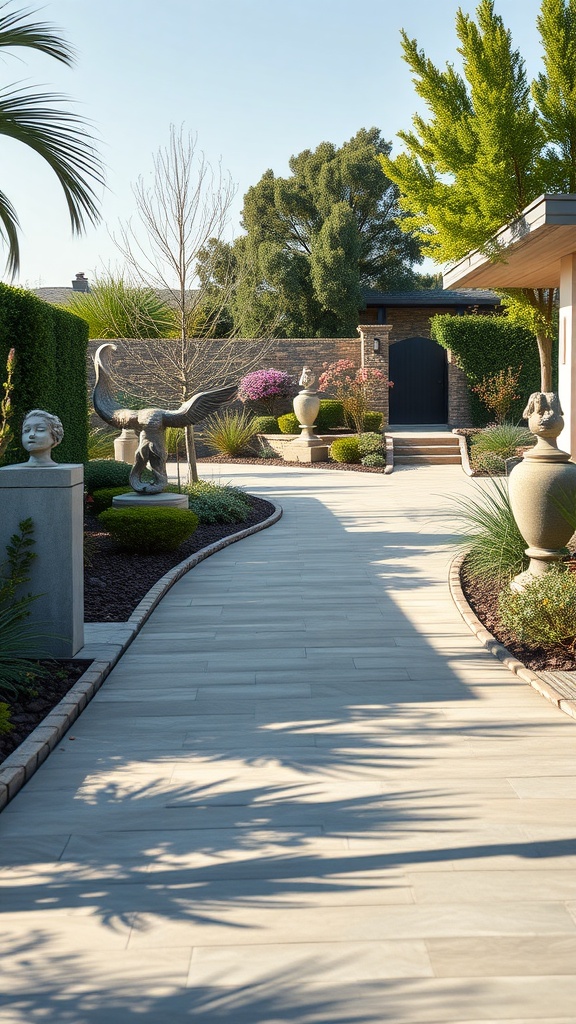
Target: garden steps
(435, 449)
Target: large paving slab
(304, 794)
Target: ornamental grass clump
(496, 548)
(544, 613)
(230, 433)
(498, 442)
(266, 389)
(149, 530)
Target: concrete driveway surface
(305, 794)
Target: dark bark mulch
(483, 600)
(32, 706)
(338, 466)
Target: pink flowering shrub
(353, 387)
(266, 387)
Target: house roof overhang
(531, 249)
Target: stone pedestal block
(53, 498)
(302, 452)
(164, 500)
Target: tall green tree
(59, 137)
(491, 143)
(314, 239)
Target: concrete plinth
(164, 500)
(125, 446)
(296, 452)
(53, 498)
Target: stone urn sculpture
(543, 481)
(306, 406)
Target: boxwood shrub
(101, 473)
(345, 449)
(102, 498)
(266, 425)
(148, 530)
(289, 423)
(330, 414)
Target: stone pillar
(567, 353)
(374, 352)
(53, 498)
(125, 446)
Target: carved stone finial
(307, 378)
(545, 420)
(41, 432)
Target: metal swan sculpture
(150, 423)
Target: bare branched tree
(186, 207)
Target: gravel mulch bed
(30, 709)
(338, 466)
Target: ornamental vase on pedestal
(543, 482)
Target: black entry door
(418, 370)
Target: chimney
(80, 284)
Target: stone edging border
(545, 683)
(21, 764)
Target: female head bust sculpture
(41, 432)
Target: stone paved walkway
(304, 795)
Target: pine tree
(490, 145)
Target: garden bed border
(557, 687)
(21, 764)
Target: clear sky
(255, 80)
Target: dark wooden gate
(418, 368)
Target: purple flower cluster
(264, 384)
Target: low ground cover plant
(147, 530)
(214, 503)
(495, 546)
(544, 613)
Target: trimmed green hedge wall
(50, 371)
(482, 345)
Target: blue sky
(255, 80)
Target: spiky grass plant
(501, 439)
(114, 308)
(494, 543)
(100, 443)
(230, 433)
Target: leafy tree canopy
(314, 239)
(491, 142)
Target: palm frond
(62, 140)
(9, 232)
(15, 31)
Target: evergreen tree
(490, 145)
(314, 239)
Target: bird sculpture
(150, 423)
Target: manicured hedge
(482, 345)
(50, 369)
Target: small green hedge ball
(148, 530)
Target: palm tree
(60, 137)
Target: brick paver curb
(550, 685)
(21, 764)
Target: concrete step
(439, 440)
(426, 449)
(430, 460)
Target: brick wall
(291, 354)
